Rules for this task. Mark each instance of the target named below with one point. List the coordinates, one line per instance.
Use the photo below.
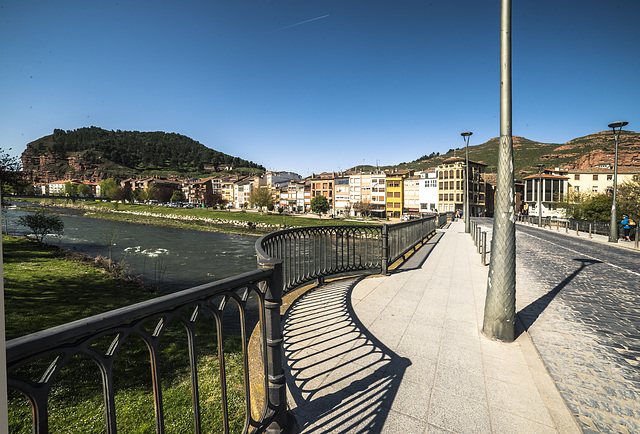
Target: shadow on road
(340, 377)
(530, 314)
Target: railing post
(277, 394)
(590, 224)
(484, 248)
(385, 249)
(637, 233)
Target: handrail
(314, 252)
(204, 302)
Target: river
(167, 258)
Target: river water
(169, 259)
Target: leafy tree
(42, 224)
(84, 190)
(628, 196)
(124, 194)
(598, 207)
(108, 188)
(71, 191)
(177, 196)
(319, 205)
(260, 198)
(150, 192)
(10, 173)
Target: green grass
(161, 217)
(44, 289)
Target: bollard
(484, 247)
(478, 235)
(637, 233)
(577, 231)
(558, 225)
(590, 230)
(566, 227)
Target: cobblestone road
(580, 301)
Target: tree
(84, 190)
(363, 207)
(177, 196)
(42, 224)
(260, 198)
(108, 188)
(628, 196)
(124, 194)
(319, 205)
(598, 207)
(71, 191)
(149, 193)
(10, 171)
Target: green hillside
(125, 153)
(528, 153)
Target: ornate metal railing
(147, 320)
(315, 252)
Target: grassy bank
(45, 287)
(249, 222)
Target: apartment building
(322, 184)
(341, 203)
(395, 192)
(378, 194)
(599, 180)
(451, 186)
(428, 196)
(411, 205)
(241, 192)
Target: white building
(429, 192)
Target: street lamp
(613, 229)
(540, 166)
(467, 221)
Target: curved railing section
(311, 253)
(147, 321)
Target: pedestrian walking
(627, 225)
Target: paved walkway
(404, 354)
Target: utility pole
(499, 310)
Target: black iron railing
(312, 253)
(147, 321)
(287, 259)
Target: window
(576, 188)
(450, 185)
(576, 177)
(457, 197)
(440, 197)
(609, 177)
(396, 194)
(389, 194)
(457, 185)
(396, 205)
(595, 177)
(440, 185)
(594, 189)
(389, 204)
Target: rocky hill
(583, 152)
(93, 154)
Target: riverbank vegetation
(45, 287)
(195, 218)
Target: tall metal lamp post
(613, 230)
(467, 221)
(540, 166)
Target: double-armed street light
(613, 229)
(467, 221)
(540, 166)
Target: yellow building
(395, 192)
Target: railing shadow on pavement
(341, 377)
(419, 257)
(531, 312)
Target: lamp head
(618, 124)
(468, 133)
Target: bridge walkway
(405, 353)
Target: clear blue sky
(316, 85)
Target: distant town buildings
(391, 194)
